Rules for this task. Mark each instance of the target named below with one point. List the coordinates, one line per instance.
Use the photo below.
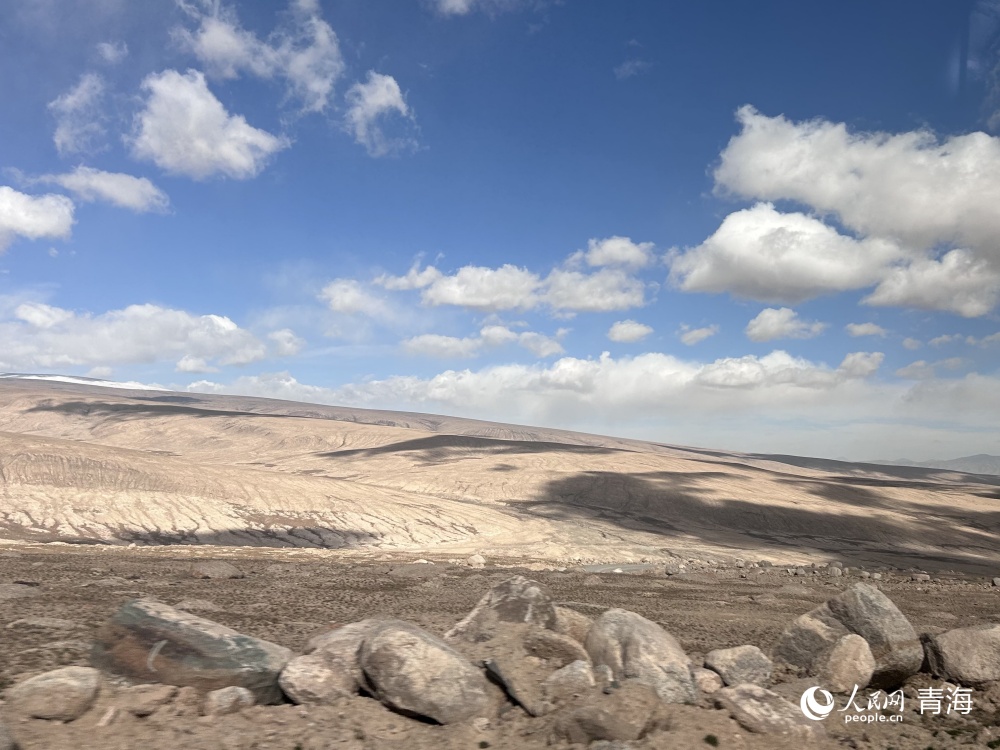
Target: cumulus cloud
(865, 329)
(912, 344)
(628, 331)
(87, 184)
(781, 323)
(33, 217)
(618, 251)
(762, 254)
(304, 51)
(959, 283)
(943, 222)
(606, 290)
(692, 336)
(350, 297)
(37, 335)
(370, 105)
(80, 117)
(490, 336)
(185, 130)
(284, 342)
(112, 52)
(488, 289)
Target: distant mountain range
(981, 463)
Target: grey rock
(143, 700)
(572, 623)
(572, 681)
(706, 680)
(996, 581)
(476, 561)
(834, 572)
(741, 664)
(865, 610)
(10, 591)
(970, 656)
(227, 701)
(808, 637)
(149, 641)
(215, 569)
(628, 713)
(63, 694)
(760, 710)
(876, 576)
(636, 648)
(516, 600)
(920, 577)
(330, 668)
(413, 671)
(848, 663)
(603, 675)
(672, 568)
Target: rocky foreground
(519, 670)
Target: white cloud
(370, 105)
(187, 363)
(628, 331)
(865, 329)
(959, 282)
(912, 344)
(414, 279)
(762, 254)
(464, 7)
(488, 289)
(619, 251)
(33, 217)
(351, 298)
(947, 338)
(606, 290)
(304, 51)
(88, 184)
(112, 52)
(285, 343)
(781, 323)
(185, 130)
(631, 68)
(490, 336)
(923, 370)
(37, 335)
(79, 117)
(692, 336)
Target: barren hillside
(87, 464)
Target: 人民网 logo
(816, 703)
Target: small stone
(62, 694)
(996, 582)
(636, 648)
(569, 682)
(848, 663)
(592, 581)
(970, 655)
(330, 669)
(109, 716)
(148, 641)
(706, 680)
(739, 665)
(227, 701)
(834, 572)
(876, 576)
(837, 564)
(476, 561)
(143, 700)
(413, 671)
(920, 577)
(759, 710)
(215, 569)
(865, 574)
(603, 676)
(516, 600)
(625, 714)
(800, 571)
(672, 568)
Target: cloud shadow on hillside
(683, 504)
(442, 448)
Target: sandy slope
(82, 463)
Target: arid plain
(108, 494)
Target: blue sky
(758, 226)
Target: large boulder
(62, 694)
(894, 644)
(569, 682)
(330, 669)
(572, 623)
(760, 710)
(970, 655)
(625, 714)
(808, 637)
(516, 600)
(148, 641)
(848, 663)
(636, 648)
(741, 664)
(415, 672)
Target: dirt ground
(287, 596)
